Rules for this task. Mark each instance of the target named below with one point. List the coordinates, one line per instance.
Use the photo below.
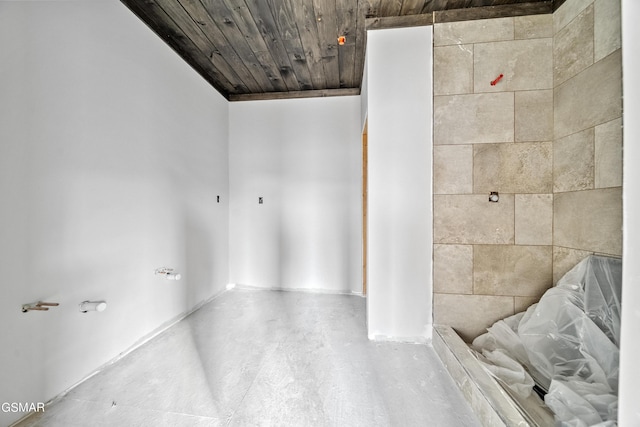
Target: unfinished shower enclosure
(547, 137)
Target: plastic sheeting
(568, 343)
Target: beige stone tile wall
(534, 219)
(511, 270)
(587, 146)
(573, 47)
(573, 167)
(534, 115)
(589, 220)
(473, 118)
(487, 30)
(607, 28)
(532, 27)
(523, 63)
(547, 137)
(608, 158)
(471, 219)
(470, 315)
(564, 259)
(491, 259)
(521, 167)
(453, 269)
(589, 98)
(455, 174)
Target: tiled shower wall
(546, 137)
(587, 148)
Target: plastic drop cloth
(568, 343)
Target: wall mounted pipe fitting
(168, 273)
(38, 306)
(86, 306)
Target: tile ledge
(492, 404)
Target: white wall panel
(400, 191)
(112, 152)
(629, 412)
(303, 157)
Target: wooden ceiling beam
(295, 94)
(490, 12)
(466, 14)
(399, 21)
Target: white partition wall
(112, 153)
(629, 411)
(399, 92)
(302, 156)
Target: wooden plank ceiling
(270, 49)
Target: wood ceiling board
(287, 28)
(272, 47)
(347, 22)
(390, 7)
(226, 20)
(412, 7)
(373, 8)
(432, 5)
(325, 11)
(272, 70)
(246, 23)
(223, 47)
(269, 31)
(305, 18)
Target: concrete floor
(268, 358)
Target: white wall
(400, 159)
(303, 157)
(112, 151)
(629, 411)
